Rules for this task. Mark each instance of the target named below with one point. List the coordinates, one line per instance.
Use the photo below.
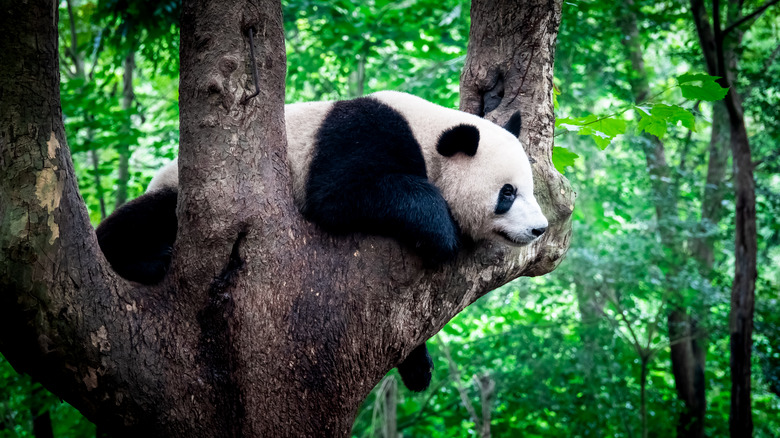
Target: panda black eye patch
(506, 197)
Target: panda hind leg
(137, 238)
(416, 370)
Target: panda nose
(538, 231)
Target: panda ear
(461, 138)
(514, 124)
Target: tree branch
(496, 83)
(749, 17)
(702, 21)
(486, 386)
(74, 43)
(260, 311)
(455, 375)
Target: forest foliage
(559, 355)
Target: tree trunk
(487, 387)
(745, 273)
(714, 190)
(93, 155)
(390, 426)
(643, 394)
(78, 63)
(688, 362)
(687, 356)
(745, 242)
(508, 67)
(264, 326)
(722, 48)
(128, 96)
(357, 80)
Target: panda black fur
(371, 177)
(388, 164)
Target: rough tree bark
(719, 44)
(264, 327)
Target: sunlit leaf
(673, 114)
(656, 120)
(604, 130)
(701, 87)
(652, 124)
(562, 158)
(601, 130)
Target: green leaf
(655, 120)
(696, 77)
(652, 124)
(674, 114)
(574, 123)
(601, 130)
(701, 86)
(562, 157)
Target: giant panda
(389, 164)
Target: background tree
(719, 44)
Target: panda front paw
(439, 245)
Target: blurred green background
(560, 355)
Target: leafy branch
(654, 118)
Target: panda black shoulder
(361, 139)
(370, 132)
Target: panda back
(165, 178)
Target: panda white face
(518, 221)
(517, 217)
(486, 179)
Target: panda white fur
(389, 164)
(471, 183)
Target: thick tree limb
(264, 326)
(58, 299)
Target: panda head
(486, 178)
